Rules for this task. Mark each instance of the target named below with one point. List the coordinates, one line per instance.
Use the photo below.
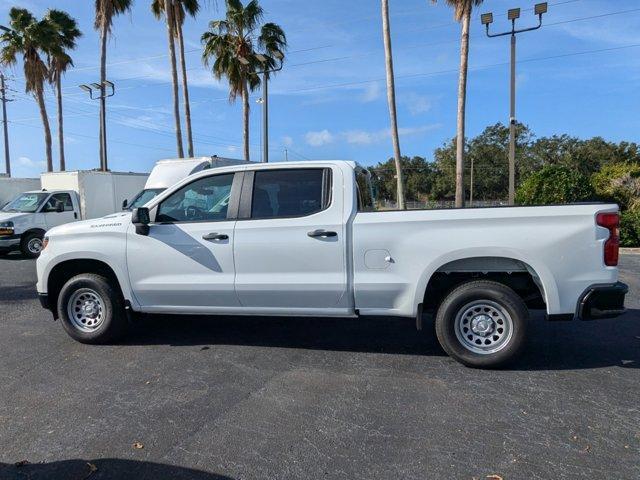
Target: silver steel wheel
(34, 245)
(483, 327)
(85, 309)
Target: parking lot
(257, 398)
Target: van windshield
(26, 203)
(144, 197)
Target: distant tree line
(556, 169)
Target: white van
(170, 171)
(65, 197)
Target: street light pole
(513, 14)
(101, 88)
(265, 60)
(265, 118)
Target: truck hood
(11, 216)
(116, 222)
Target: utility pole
(286, 154)
(513, 14)
(3, 93)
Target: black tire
(501, 322)
(109, 325)
(26, 245)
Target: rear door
(289, 244)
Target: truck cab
(26, 218)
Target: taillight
(610, 221)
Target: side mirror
(59, 207)
(125, 202)
(140, 218)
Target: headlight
(6, 228)
(45, 242)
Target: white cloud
(232, 148)
(363, 137)
(317, 139)
(372, 92)
(27, 162)
(287, 141)
(416, 104)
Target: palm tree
(30, 38)
(391, 98)
(182, 8)
(231, 43)
(106, 10)
(59, 61)
(462, 13)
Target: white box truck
(170, 171)
(11, 186)
(64, 197)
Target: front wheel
(31, 245)
(91, 309)
(482, 324)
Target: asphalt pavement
(297, 398)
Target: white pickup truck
(304, 239)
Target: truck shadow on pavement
(551, 346)
(102, 469)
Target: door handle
(321, 233)
(215, 236)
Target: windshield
(144, 197)
(26, 203)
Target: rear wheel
(91, 309)
(31, 245)
(482, 324)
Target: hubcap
(35, 245)
(483, 327)
(86, 309)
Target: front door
(290, 242)
(185, 263)
(52, 217)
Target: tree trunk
(60, 123)
(462, 100)
(245, 119)
(391, 98)
(185, 91)
(47, 130)
(168, 9)
(103, 76)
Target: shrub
(554, 184)
(619, 183)
(630, 228)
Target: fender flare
(547, 280)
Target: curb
(630, 251)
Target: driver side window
(204, 200)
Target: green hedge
(554, 184)
(618, 183)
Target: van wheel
(482, 324)
(31, 245)
(91, 309)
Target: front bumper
(602, 301)
(8, 243)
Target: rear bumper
(602, 301)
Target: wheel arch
(66, 269)
(491, 264)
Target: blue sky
(330, 101)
